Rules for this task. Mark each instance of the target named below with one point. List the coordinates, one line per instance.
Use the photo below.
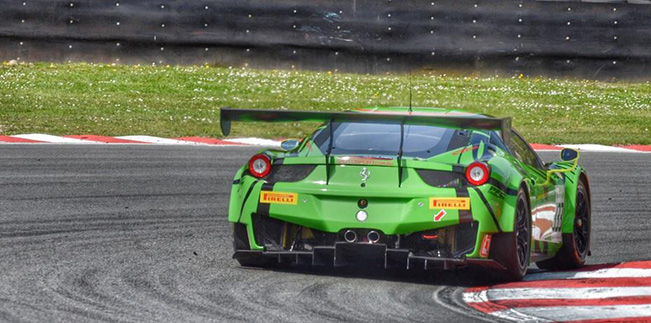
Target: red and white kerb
(595, 293)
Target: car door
(546, 197)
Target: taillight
(477, 173)
(259, 165)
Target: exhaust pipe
(350, 236)
(373, 237)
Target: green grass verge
(184, 101)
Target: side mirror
(290, 144)
(568, 154)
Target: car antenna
(410, 87)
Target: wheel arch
(507, 218)
(527, 190)
(571, 185)
(586, 181)
(235, 200)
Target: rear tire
(241, 242)
(254, 261)
(576, 245)
(513, 249)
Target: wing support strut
(399, 157)
(329, 151)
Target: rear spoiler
(227, 115)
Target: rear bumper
(372, 255)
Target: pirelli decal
(450, 203)
(278, 197)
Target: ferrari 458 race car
(411, 188)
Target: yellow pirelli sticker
(450, 203)
(278, 197)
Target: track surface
(139, 233)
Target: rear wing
(227, 115)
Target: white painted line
(256, 141)
(575, 313)
(161, 141)
(515, 315)
(475, 297)
(55, 139)
(566, 293)
(600, 273)
(599, 148)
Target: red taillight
(259, 165)
(478, 173)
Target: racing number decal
(278, 197)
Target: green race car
(409, 188)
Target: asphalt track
(138, 233)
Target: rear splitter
(377, 255)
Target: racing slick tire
(254, 261)
(241, 242)
(576, 245)
(513, 249)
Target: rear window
(383, 139)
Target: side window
(478, 137)
(496, 140)
(522, 151)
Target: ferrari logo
(365, 174)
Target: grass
(166, 101)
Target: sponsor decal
(496, 192)
(439, 216)
(464, 150)
(485, 246)
(373, 161)
(418, 113)
(454, 203)
(278, 197)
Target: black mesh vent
(276, 235)
(439, 178)
(454, 241)
(289, 173)
(465, 238)
(268, 232)
(411, 241)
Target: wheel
(576, 245)
(254, 261)
(241, 242)
(513, 249)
